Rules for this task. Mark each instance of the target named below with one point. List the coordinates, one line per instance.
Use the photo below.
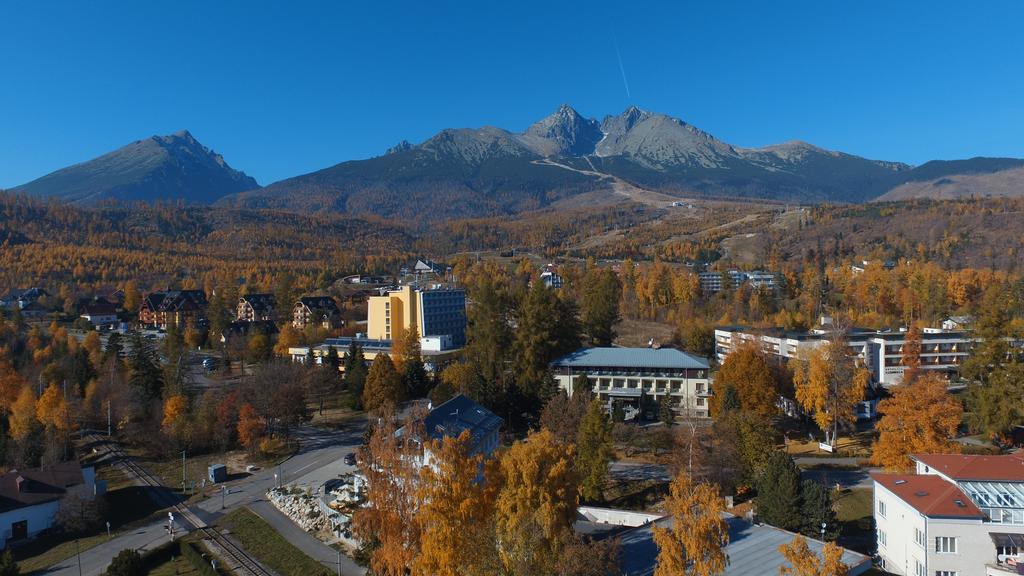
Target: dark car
(350, 458)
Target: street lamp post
(223, 491)
(183, 485)
(823, 524)
(78, 552)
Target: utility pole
(78, 552)
(108, 418)
(339, 562)
(183, 477)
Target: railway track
(245, 564)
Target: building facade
(630, 375)
(177, 307)
(431, 312)
(714, 282)
(881, 351)
(957, 515)
(256, 308)
(320, 310)
(31, 497)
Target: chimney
(22, 484)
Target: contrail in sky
(622, 68)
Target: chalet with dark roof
(256, 307)
(177, 307)
(29, 499)
(318, 310)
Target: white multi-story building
(958, 515)
(713, 282)
(879, 350)
(628, 374)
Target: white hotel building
(627, 374)
(880, 350)
(958, 515)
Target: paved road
(318, 448)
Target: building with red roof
(957, 515)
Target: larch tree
(694, 545)
(911, 354)
(805, 562)
(536, 505)
(746, 370)
(51, 409)
(921, 417)
(383, 384)
(11, 383)
(392, 466)
(594, 450)
(456, 512)
(175, 417)
(23, 414)
(829, 385)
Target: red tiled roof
(930, 495)
(1007, 468)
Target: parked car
(350, 458)
(210, 364)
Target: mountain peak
(161, 168)
(563, 133)
(400, 147)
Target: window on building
(919, 537)
(945, 544)
(881, 508)
(1007, 551)
(945, 573)
(882, 539)
(918, 568)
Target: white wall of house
(896, 521)
(39, 517)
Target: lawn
(262, 541)
(853, 510)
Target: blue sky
(285, 88)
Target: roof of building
(458, 414)
(175, 300)
(631, 358)
(99, 307)
(965, 467)
(753, 549)
(930, 495)
(29, 487)
(259, 301)
(325, 303)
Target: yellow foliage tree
(919, 418)
(250, 427)
(536, 506)
(829, 385)
(23, 414)
(288, 337)
(51, 410)
(805, 562)
(175, 410)
(694, 544)
(456, 513)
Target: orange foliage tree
(921, 417)
(23, 414)
(51, 409)
(829, 385)
(250, 427)
(747, 371)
